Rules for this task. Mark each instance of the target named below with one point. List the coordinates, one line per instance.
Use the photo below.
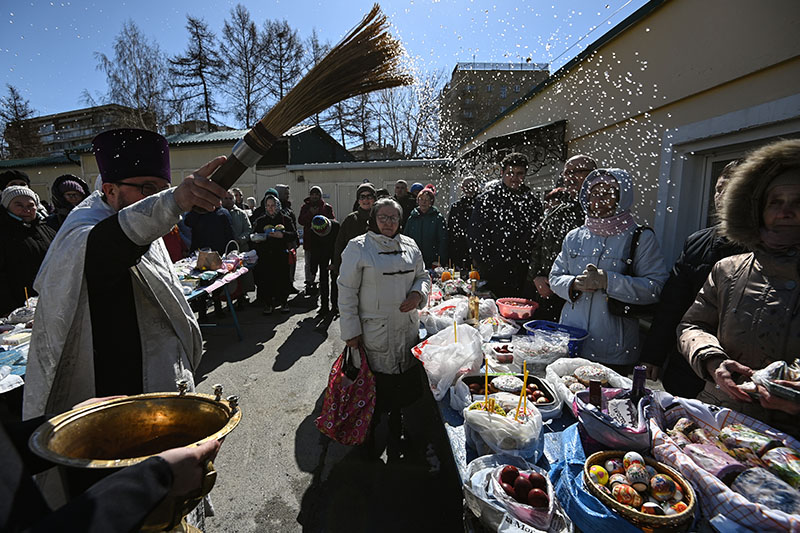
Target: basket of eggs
(649, 494)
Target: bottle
(596, 393)
(638, 390)
(474, 304)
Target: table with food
(544, 440)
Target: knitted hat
(70, 185)
(271, 192)
(365, 187)
(11, 175)
(430, 189)
(129, 153)
(316, 189)
(416, 187)
(321, 225)
(9, 193)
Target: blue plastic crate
(576, 335)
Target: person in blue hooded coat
(588, 270)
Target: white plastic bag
(503, 434)
(444, 359)
(567, 365)
(486, 308)
(496, 326)
(538, 518)
(441, 315)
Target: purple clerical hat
(128, 153)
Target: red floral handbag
(349, 403)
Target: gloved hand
(592, 279)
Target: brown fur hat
(743, 203)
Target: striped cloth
(715, 497)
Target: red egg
(537, 481)
(521, 489)
(509, 474)
(538, 498)
(509, 489)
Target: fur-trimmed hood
(741, 216)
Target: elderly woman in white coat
(382, 285)
(589, 270)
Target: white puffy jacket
(377, 274)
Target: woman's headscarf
(622, 220)
(372, 223)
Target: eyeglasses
(366, 196)
(388, 218)
(147, 189)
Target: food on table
(630, 458)
(576, 388)
(503, 354)
(626, 495)
(652, 508)
(569, 380)
(617, 478)
(784, 463)
(473, 274)
(662, 487)
(740, 436)
(714, 461)
(761, 486)
(493, 407)
(587, 373)
(676, 508)
(529, 488)
(598, 474)
(446, 275)
(638, 477)
(651, 470)
(508, 383)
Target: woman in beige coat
(747, 314)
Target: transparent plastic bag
(444, 359)
(503, 434)
(540, 350)
(538, 518)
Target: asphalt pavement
(278, 473)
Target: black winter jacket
(21, 254)
(701, 251)
(457, 229)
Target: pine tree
(20, 138)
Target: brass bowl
(95, 440)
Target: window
(516, 88)
(489, 88)
(503, 91)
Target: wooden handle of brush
(229, 172)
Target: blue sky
(47, 48)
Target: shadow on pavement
(302, 342)
(350, 492)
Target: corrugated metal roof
(372, 164)
(225, 136)
(37, 161)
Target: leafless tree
(19, 138)
(409, 116)
(137, 77)
(283, 52)
(362, 119)
(241, 50)
(199, 67)
(315, 51)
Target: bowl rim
(42, 435)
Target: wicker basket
(648, 523)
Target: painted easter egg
(617, 478)
(626, 495)
(614, 466)
(630, 458)
(598, 474)
(652, 508)
(662, 487)
(638, 477)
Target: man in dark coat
(213, 229)
(356, 223)
(557, 222)
(286, 209)
(458, 225)
(26, 239)
(325, 233)
(701, 251)
(405, 199)
(312, 206)
(502, 228)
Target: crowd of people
(728, 307)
